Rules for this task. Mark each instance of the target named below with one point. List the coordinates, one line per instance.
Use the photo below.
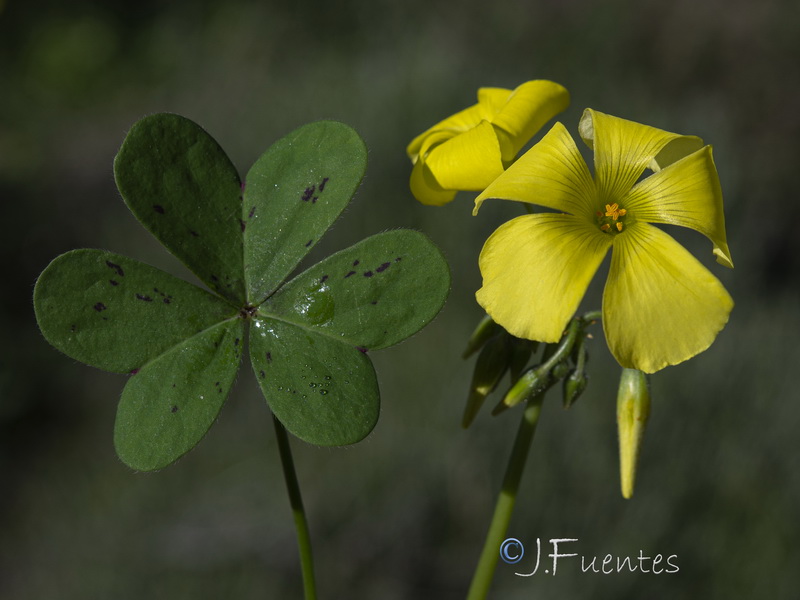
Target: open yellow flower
(660, 305)
(468, 150)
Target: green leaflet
(182, 345)
(169, 405)
(183, 188)
(323, 391)
(116, 313)
(293, 194)
(373, 294)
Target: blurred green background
(403, 514)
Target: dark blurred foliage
(403, 514)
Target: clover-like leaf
(182, 345)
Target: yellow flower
(468, 150)
(660, 305)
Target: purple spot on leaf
(116, 267)
(308, 193)
(269, 357)
(367, 273)
(398, 259)
(158, 208)
(99, 306)
(174, 408)
(261, 372)
(324, 279)
(143, 297)
(242, 224)
(72, 328)
(166, 300)
(113, 282)
(314, 199)
(374, 302)
(355, 262)
(361, 349)
(251, 213)
(349, 274)
(383, 267)
(322, 184)
(194, 233)
(134, 371)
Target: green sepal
(170, 403)
(374, 294)
(183, 188)
(292, 195)
(116, 313)
(323, 390)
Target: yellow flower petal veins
(660, 305)
(536, 269)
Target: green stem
(484, 572)
(298, 512)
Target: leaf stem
(484, 572)
(298, 512)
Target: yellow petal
(552, 174)
(536, 269)
(686, 193)
(425, 189)
(660, 305)
(452, 125)
(623, 150)
(469, 161)
(526, 110)
(491, 100)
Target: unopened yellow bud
(633, 410)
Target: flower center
(612, 219)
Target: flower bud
(530, 382)
(483, 332)
(574, 385)
(490, 367)
(633, 410)
(578, 379)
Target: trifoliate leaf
(182, 344)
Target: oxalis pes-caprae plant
(660, 305)
(309, 336)
(181, 345)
